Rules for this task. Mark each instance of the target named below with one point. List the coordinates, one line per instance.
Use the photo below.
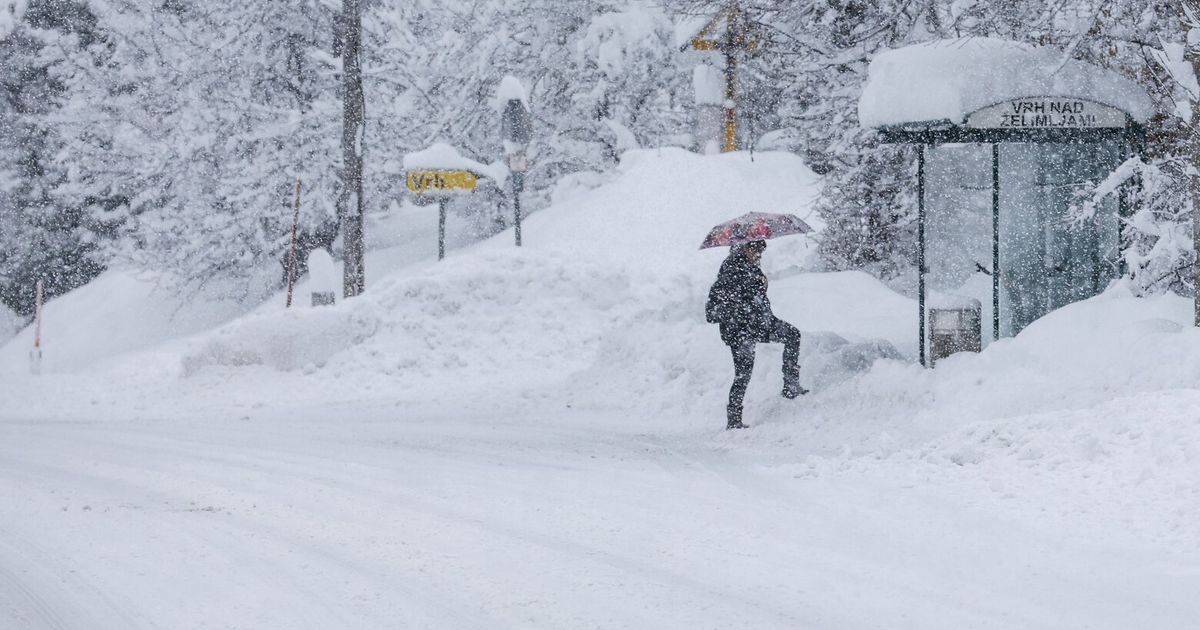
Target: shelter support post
(518, 183)
(921, 252)
(995, 242)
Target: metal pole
(37, 326)
(921, 250)
(291, 271)
(442, 228)
(518, 183)
(995, 242)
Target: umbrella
(754, 226)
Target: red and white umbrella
(754, 226)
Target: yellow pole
(731, 43)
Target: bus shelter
(1009, 137)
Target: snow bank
(618, 257)
(1085, 419)
(511, 312)
(949, 79)
(117, 313)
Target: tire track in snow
(55, 594)
(22, 604)
(287, 466)
(263, 535)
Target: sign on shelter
(1047, 113)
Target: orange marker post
(35, 355)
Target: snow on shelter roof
(949, 79)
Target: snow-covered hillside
(534, 438)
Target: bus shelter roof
(936, 85)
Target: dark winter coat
(738, 301)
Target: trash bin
(322, 298)
(322, 277)
(954, 327)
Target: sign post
(441, 228)
(439, 173)
(516, 130)
(517, 164)
(739, 37)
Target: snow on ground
(532, 438)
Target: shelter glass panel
(1048, 257)
(958, 232)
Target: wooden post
(291, 272)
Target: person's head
(753, 250)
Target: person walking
(738, 302)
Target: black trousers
(743, 361)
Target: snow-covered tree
(189, 122)
(40, 238)
(603, 77)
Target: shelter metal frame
(1130, 138)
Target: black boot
(733, 411)
(735, 418)
(791, 386)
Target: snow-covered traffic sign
(516, 130)
(516, 123)
(441, 172)
(441, 182)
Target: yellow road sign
(441, 182)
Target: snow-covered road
(345, 517)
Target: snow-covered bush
(1157, 236)
(869, 209)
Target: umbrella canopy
(754, 226)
